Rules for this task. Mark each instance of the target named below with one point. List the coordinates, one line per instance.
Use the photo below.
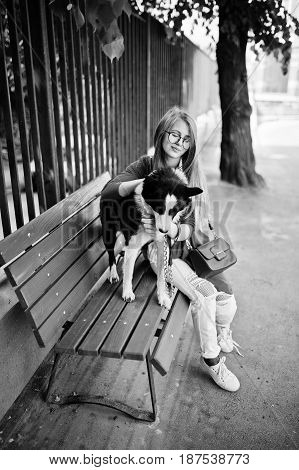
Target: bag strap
(212, 229)
(188, 244)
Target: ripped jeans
(211, 309)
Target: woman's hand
(182, 231)
(148, 222)
(127, 187)
(149, 225)
(173, 231)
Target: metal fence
(67, 113)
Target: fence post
(183, 82)
(148, 85)
(41, 63)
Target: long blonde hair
(191, 167)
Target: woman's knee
(225, 310)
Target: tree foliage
(269, 24)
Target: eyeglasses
(175, 137)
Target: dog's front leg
(130, 256)
(131, 252)
(162, 294)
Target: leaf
(115, 49)
(59, 7)
(171, 37)
(121, 5)
(78, 17)
(100, 13)
(127, 8)
(276, 53)
(113, 42)
(112, 33)
(103, 15)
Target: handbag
(212, 257)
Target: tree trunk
(237, 164)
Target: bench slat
(92, 344)
(76, 334)
(30, 233)
(165, 347)
(42, 252)
(144, 333)
(119, 336)
(49, 274)
(53, 325)
(43, 308)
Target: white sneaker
(221, 375)
(226, 342)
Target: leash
(168, 273)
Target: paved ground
(193, 413)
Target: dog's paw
(113, 279)
(113, 276)
(164, 300)
(128, 295)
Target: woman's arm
(127, 187)
(132, 176)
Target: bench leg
(142, 415)
(66, 327)
(151, 385)
(52, 376)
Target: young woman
(213, 304)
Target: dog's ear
(193, 191)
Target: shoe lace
(222, 369)
(226, 335)
(236, 348)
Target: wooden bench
(58, 265)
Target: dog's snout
(162, 231)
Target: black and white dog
(163, 194)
